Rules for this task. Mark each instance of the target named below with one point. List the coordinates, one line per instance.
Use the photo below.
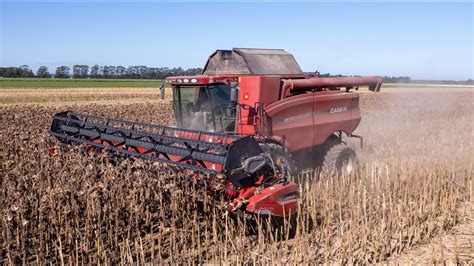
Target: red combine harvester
(239, 127)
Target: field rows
(70, 96)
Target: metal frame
(182, 148)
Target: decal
(336, 110)
(289, 119)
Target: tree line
(387, 79)
(96, 72)
(144, 72)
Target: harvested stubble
(72, 208)
(55, 96)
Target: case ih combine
(239, 127)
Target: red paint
(279, 200)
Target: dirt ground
(409, 127)
(449, 248)
(79, 96)
(457, 244)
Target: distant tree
(166, 72)
(26, 72)
(76, 71)
(178, 71)
(143, 72)
(193, 71)
(396, 79)
(102, 72)
(153, 72)
(80, 71)
(43, 72)
(63, 72)
(105, 71)
(108, 71)
(85, 71)
(404, 79)
(95, 72)
(11, 72)
(131, 72)
(120, 72)
(112, 71)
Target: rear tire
(340, 158)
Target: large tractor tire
(280, 155)
(339, 158)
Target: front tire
(280, 155)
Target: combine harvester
(239, 127)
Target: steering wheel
(190, 107)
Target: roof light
(185, 80)
(194, 80)
(179, 80)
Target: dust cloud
(423, 126)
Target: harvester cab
(205, 104)
(240, 125)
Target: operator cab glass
(204, 108)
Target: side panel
(248, 94)
(356, 117)
(270, 89)
(291, 120)
(254, 89)
(334, 111)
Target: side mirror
(234, 92)
(162, 89)
(234, 95)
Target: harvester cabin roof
(249, 61)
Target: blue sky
(422, 40)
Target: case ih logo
(289, 119)
(338, 110)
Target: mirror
(234, 92)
